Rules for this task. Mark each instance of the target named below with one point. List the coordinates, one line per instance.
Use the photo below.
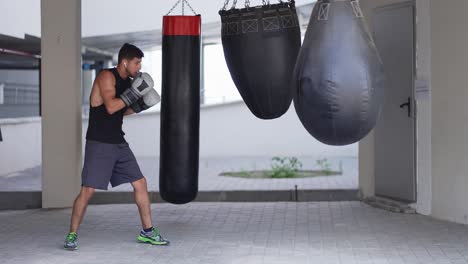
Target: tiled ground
(235, 233)
(209, 179)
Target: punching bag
(338, 75)
(261, 45)
(180, 108)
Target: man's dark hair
(129, 51)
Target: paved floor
(235, 233)
(209, 179)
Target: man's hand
(141, 85)
(147, 101)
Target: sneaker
(153, 237)
(71, 241)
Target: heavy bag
(180, 109)
(339, 75)
(261, 45)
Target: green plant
(243, 173)
(324, 165)
(284, 167)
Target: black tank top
(104, 127)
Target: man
(108, 157)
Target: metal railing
(19, 93)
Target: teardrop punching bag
(261, 45)
(339, 75)
(180, 108)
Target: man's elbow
(110, 110)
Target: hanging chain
(188, 4)
(172, 9)
(234, 3)
(247, 3)
(226, 3)
(183, 7)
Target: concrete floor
(281, 232)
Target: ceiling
(24, 53)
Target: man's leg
(79, 207)
(143, 201)
(99, 160)
(127, 170)
(149, 234)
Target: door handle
(407, 104)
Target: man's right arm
(106, 84)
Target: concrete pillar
(61, 101)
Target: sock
(148, 229)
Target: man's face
(133, 66)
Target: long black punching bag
(339, 75)
(180, 108)
(261, 45)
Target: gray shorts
(104, 163)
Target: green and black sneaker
(153, 237)
(71, 241)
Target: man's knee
(87, 192)
(140, 185)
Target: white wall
(423, 109)
(225, 131)
(21, 145)
(449, 110)
(230, 130)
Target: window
(218, 84)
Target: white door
(393, 29)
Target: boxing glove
(147, 101)
(141, 84)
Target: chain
(172, 9)
(234, 3)
(247, 3)
(226, 3)
(183, 7)
(190, 7)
